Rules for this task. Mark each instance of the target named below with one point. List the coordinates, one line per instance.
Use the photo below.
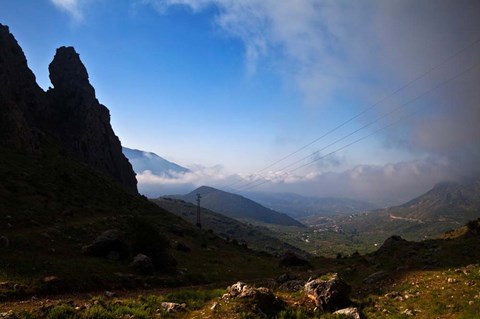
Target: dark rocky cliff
(68, 115)
(21, 99)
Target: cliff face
(69, 114)
(83, 124)
(21, 99)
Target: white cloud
(363, 51)
(72, 7)
(153, 185)
(320, 44)
(393, 183)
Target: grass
(51, 206)
(425, 293)
(428, 294)
(143, 307)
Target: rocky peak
(69, 115)
(12, 59)
(81, 122)
(21, 99)
(67, 72)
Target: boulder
(110, 294)
(51, 279)
(329, 292)
(390, 244)
(375, 277)
(107, 244)
(284, 278)
(172, 307)
(290, 259)
(260, 300)
(351, 313)
(292, 285)
(143, 264)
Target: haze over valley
(239, 159)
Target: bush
(147, 240)
(473, 225)
(62, 312)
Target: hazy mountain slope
(237, 207)
(445, 201)
(446, 206)
(142, 161)
(299, 206)
(256, 237)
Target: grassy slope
(50, 207)
(256, 237)
(432, 279)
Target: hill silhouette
(143, 161)
(236, 206)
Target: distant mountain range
(445, 201)
(143, 161)
(298, 206)
(236, 206)
(446, 206)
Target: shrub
(147, 240)
(473, 225)
(62, 312)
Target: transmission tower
(199, 224)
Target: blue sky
(229, 87)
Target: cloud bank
(384, 185)
(364, 51)
(359, 51)
(72, 7)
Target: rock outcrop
(329, 293)
(109, 244)
(83, 124)
(260, 300)
(290, 259)
(69, 115)
(21, 99)
(143, 264)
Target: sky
(229, 87)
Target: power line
(409, 83)
(439, 85)
(331, 153)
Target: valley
(80, 240)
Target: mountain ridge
(68, 117)
(446, 200)
(237, 206)
(142, 161)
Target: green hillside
(52, 206)
(255, 237)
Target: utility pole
(199, 224)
